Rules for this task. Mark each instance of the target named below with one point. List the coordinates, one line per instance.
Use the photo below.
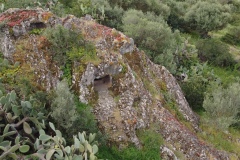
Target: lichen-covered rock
(167, 154)
(7, 46)
(127, 90)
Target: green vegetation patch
(221, 140)
(151, 141)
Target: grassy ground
(150, 140)
(226, 75)
(234, 49)
(227, 141)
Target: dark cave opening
(102, 83)
(37, 25)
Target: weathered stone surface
(167, 154)
(7, 46)
(128, 91)
(175, 90)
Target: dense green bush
(67, 46)
(62, 40)
(222, 105)
(113, 17)
(195, 84)
(70, 115)
(205, 16)
(235, 6)
(63, 106)
(148, 30)
(215, 52)
(178, 10)
(153, 35)
(85, 121)
(194, 93)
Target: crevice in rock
(37, 25)
(103, 83)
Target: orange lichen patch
(132, 121)
(18, 17)
(46, 16)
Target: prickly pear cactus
(55, 146)
(13, 116)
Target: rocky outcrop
(127, 90)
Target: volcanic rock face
(128, 91)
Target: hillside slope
(127, 90)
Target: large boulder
(128, 91)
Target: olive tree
(223, 105)
(152, 34)
(206, 16)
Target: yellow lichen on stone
(46, 16)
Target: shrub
(194, 93)
(222, 105)
(215, 52)
(148, 30)
(85, 53)
(62, 40)
(167, 60)
(85, 121)
(113, 17)
(63, 106)
(195, 84)
(67, 44)
(153, 35)
(178, 9)
(205, 16)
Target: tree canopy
(207, 16)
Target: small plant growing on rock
(62, 40)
